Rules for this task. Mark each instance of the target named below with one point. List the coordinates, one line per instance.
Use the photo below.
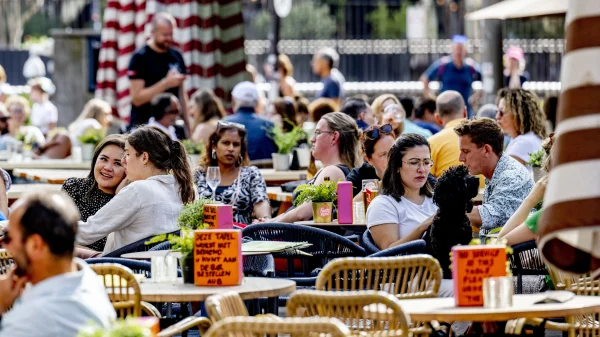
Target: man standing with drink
(154, 69)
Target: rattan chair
(259, 327)
(368, 243)
(408, 248)
(228, 304)
(138, 246)
(526, 260)
(413, 276)
(364, 312)
(6, 261)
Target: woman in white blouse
(160, 183)
(520, 117)
(404, 209)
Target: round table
(147, 255)
(251, 288)
(443, 309)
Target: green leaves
(191, 147)
(92, 136)
(129, 327)
(536, 158)
(192, 216)
(285, 141)
(326, 192)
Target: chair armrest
(150, 310)
(270, 317)
(202, 323)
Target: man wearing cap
(245, 99)
(454, 72)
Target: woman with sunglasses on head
(520, 117)
(404, 208)
(161, 183)
(241, 186)
(92, 193)
(335, 143)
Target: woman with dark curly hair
(241, 186)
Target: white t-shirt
(523, 145)
(385, 209)
(43, 114)
(170, 130)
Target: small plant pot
(87, 151)
(187, 268)
(322, 211)
(303, 157)
(538, 173)
(281, 162)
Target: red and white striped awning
(210, 36)
(570, 223)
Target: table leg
(273, 305)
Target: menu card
(218, 257)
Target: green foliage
(192, 216)
(92, 136)
(307, 20)
(129, 327)
(181, 243)
(191, 147)
(536, 158)
(388, 24)
(326, 192)
(285, 141)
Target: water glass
(358, 213)
(164, 268)
(498, 292)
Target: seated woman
(404, 208)
(522, 225)
(335, 144)
(18, 110)
(205, 111)
(241, 186)
(92, 193)
(96, 114)
(161, 182)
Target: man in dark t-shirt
(154, 69)
(322, 65)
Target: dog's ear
(469, 206)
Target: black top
(366, 171)
(77, 189)
(150, 66)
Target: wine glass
(213, 179)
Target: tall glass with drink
(370, 189)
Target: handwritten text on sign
(470, 266)
(218, 216)
(218, 257)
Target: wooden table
(276, 178)
(251, 288)
(285, 198)
(154, 253)
(443, 309)
(18, 190)
(333, 223)
(50, 176)
(45, 164)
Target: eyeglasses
(416, 163)
(221, 124)
(376, 132)
(318, 132)
(4, 236)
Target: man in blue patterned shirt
(507, 182)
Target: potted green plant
(194, 150)
(129, 327)
(190, 219)
(535, 160)
(285, 142)
(322, 198)
(89, 139)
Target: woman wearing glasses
(241, 186)
(404, 208)
(335, 144)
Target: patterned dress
(252, 190)
(88, 205)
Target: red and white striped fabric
(210, 35)
(570, 224)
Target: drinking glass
(213, 179)
(370, 189)
(497, 292)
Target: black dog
(453, 195)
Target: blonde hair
(524, 105)
(377, 105)
(285, 63)
(95, 108)
(18, 100)
(349, 145)
(209, 106)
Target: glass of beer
(370, 189)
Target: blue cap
(459, 39)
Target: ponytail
(182, 171)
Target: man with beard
(156, 68)
(65, 294)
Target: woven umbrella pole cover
(570, 224)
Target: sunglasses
(230, 125)
(376, 132)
